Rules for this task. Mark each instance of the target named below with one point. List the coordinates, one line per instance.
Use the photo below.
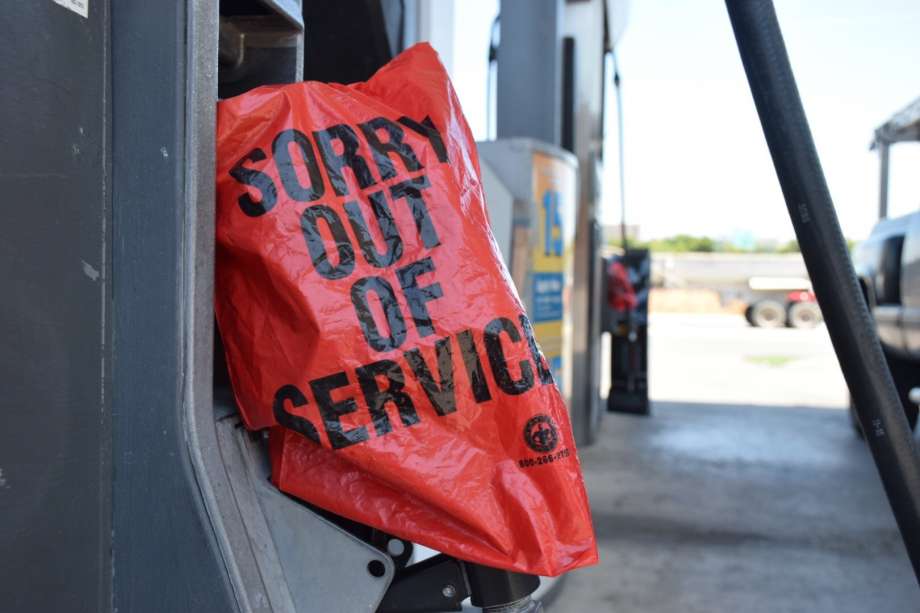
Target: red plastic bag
(369, 320)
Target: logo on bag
(541, 433)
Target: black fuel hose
(852, 332)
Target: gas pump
(550, 71)
(536, 233)
(144, 493)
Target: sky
(696, 161)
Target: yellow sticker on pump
(554, 194)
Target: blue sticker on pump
(547, 296)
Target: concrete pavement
(746, 491)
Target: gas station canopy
(903, 126)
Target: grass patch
(773, 361)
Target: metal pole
(883, 181)
(620, 148)
(785, 127)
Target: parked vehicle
(888, 267)
(778, 301)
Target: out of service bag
(369, 321)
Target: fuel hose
(824, 250)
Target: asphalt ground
(745, 491)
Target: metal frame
(254, 525)
(161, 530)
(55, 315)
(904, 126)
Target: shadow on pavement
(725, 507)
